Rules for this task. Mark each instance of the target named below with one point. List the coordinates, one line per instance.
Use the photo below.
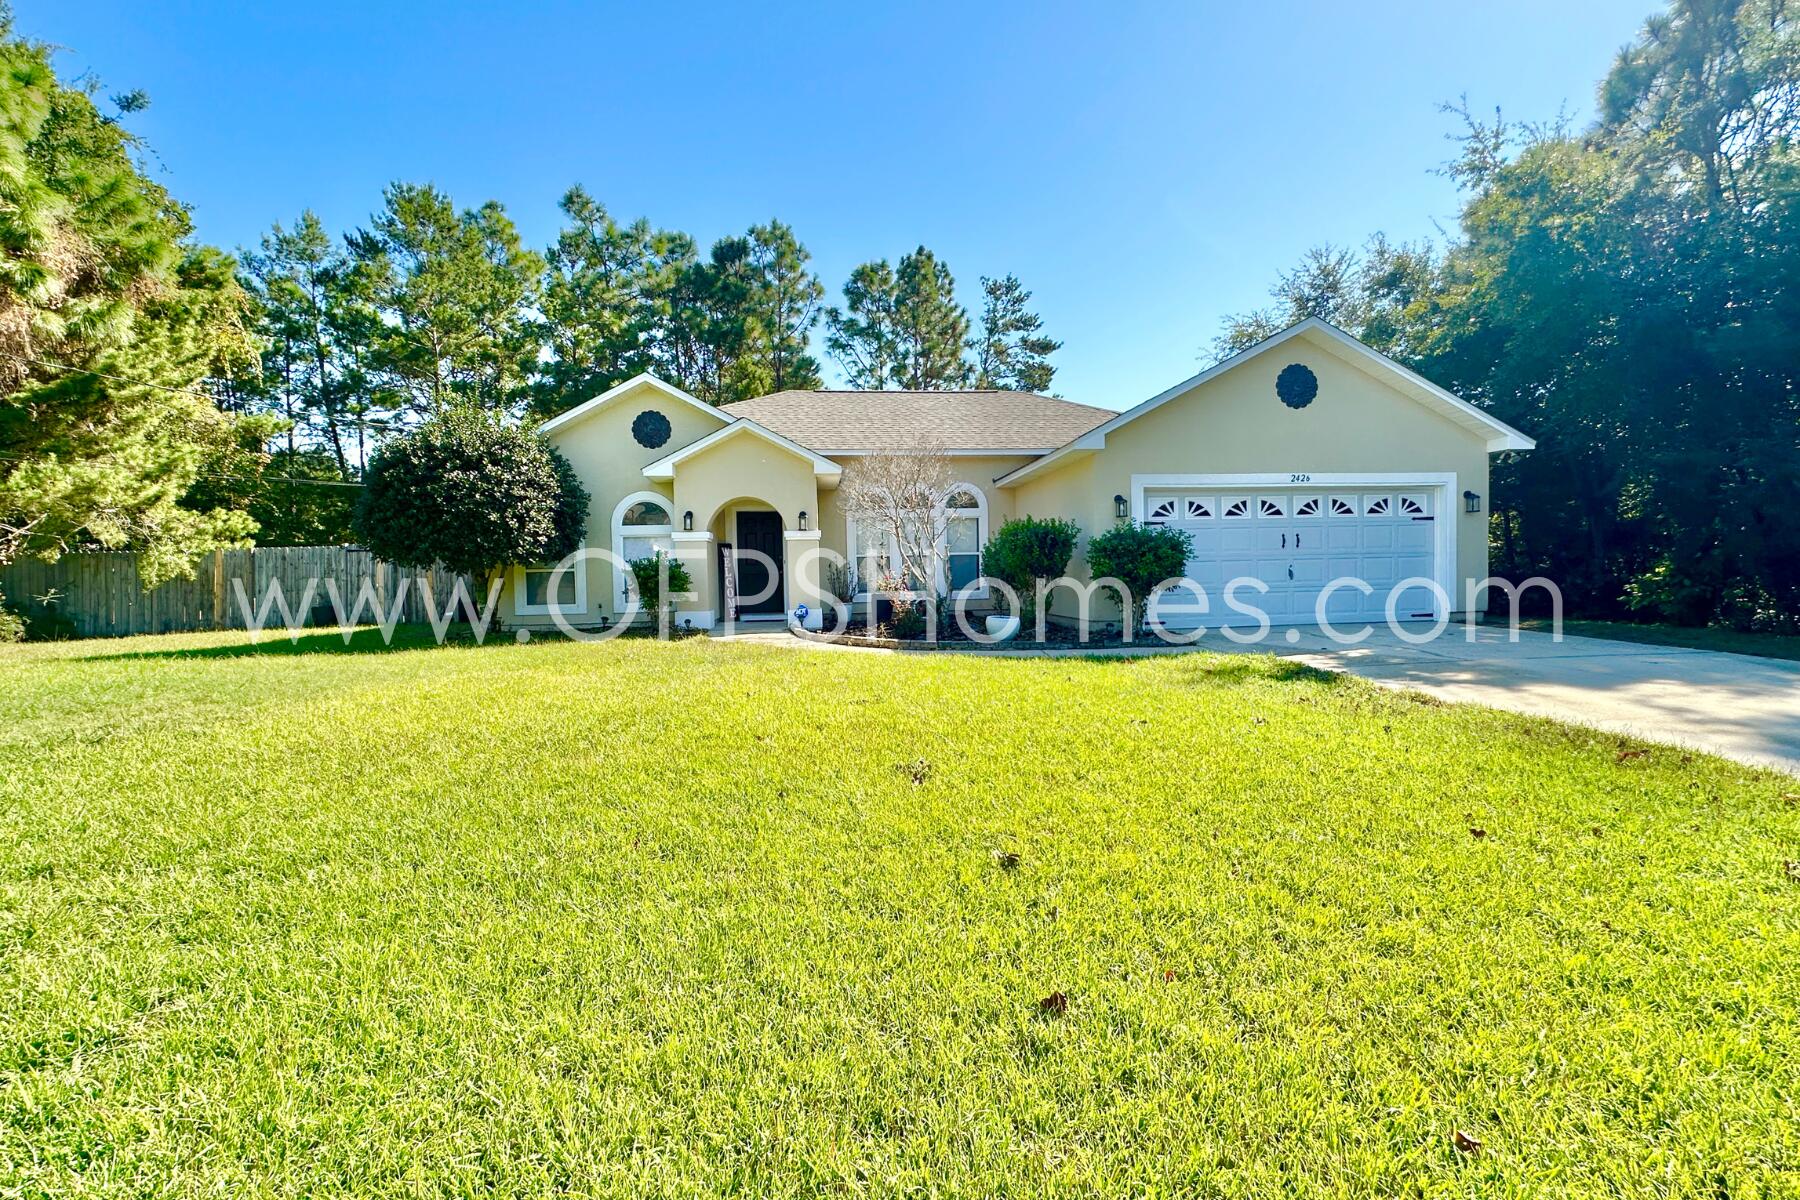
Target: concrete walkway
(1744, 708)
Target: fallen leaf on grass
(1008, 859)
(1168, 977)
(1628, 755)
(1055, 1004)
(1597, 831)
(1467, 1143)
(919, 769)
(1477, 832)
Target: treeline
(431, 307)
(1629, 294)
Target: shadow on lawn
(1245, 668)
(321, 641)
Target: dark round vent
(650, 428)
(1296, 385)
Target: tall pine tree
(455, 291)
(1011, 352)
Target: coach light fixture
(803, 520)
(687, 521)
(1471, 502)
(1119, 507)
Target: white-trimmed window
(532, 584)
(641, 528)
(874, 552)
(965, 533)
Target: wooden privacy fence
(101, 596)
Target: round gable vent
(650, 428)
(1297, 386)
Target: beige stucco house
(1305, 459)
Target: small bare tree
(901, 495)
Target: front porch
(748, 528)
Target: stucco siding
(1234, 424)
(610, 464)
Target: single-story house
(1302, 459)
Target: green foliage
(472, 493)
(453, 291)
(647, 577)
(315, 327)
(600, 301)
(1291, 969)
(1140, 557)
(1011, 352)
(100, 284)
(901, 327)
(1027, 549)
(12, 625)
(1627, 296)
(622, 299)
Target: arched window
(875, 552)
(646, 512)
(641, 528)
(965, 533)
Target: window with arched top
(965, 532)
(874, 552)
(646, 512)
(641, 529)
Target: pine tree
(599, 302)
(784, 302)
(309, 327)
(932, 328)
(864, 335)
(454, 291)
(1012, 353)
(111, 323)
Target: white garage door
(1296, 541)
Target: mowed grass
(642, 919)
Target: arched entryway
(750, 534)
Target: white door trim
(1444, 542)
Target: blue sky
(1145, 169)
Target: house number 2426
(1299, 478)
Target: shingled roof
(1014, 422)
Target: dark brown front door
(758, 531)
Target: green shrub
(909, 620)
(12, 625)
(1140, 557)
(646, 574)
(1026, 550)
(472, 493)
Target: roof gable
(1498, 434)
(635, 383)
(664, 468)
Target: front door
(759, 531)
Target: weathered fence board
(100, 595)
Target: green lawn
(641, 919)
(1762, 645)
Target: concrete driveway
(1731, 704)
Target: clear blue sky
(1143, 168)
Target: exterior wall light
(1471, 502)
(1119, 509)
(803, 520)
(687, 521)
